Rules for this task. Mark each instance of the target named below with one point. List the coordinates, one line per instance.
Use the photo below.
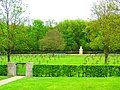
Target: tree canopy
(52, 41)
(11, 17)
(73, 33)
(105, 32)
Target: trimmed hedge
(75, 71)
(3, 70)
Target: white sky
(59, 9)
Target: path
(5, 81)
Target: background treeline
(29, 38)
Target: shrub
(75, 71)
(3, 70)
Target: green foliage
(21, 39)
(37, 31)
(73, 33)
(3, 70)
(11, 14)
(94, 36)
(3, 40)
(105, 32)
(76, 71)
(52, 41)
(20, 68)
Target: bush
(3, 70)
(75, 71)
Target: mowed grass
(4, 77)
(64, 83)
(61, 59)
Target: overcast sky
(59, 9)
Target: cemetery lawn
(64, 83)
(61, 59)
(4, 77)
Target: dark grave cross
(85, 60)
(22, 59)
(39, 61)
(58, 56)
(22, 65)
(35, 56)
(92, 61)
(49, 57)
(100, 57)
(61, 55)
(47, 61)
(1, 58)
(43, 58)
(95, 54)
(54, 57)
(19, 57)
(26, 57)
(97, 61)
(85, 57)
(40, 55)
(114, 62)
(108, 61)
(91, 56)
(117, 59)
(36, 61)
(114, 59)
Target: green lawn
(61, 59)
(64, 83)
(4, 77)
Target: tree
(21, 39)
(2, 37)
(50, 23)
(52, 41)
(11, 14)
(38, 31)
(105, 32)
(73, 33)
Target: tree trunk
(8, 32)
(8, 53)
(106, 52)
(53, 54)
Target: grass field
(4, 77)
(64, 83)
(60, 59)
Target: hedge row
(3, 70)
(75, 71)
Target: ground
(64, 83)
(62, 59)
(4, 77)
